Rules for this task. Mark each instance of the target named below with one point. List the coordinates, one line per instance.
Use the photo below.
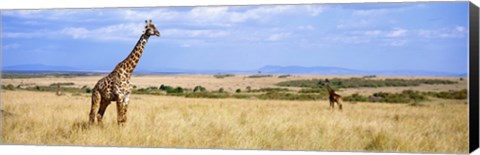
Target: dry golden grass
(162, 121)
(230, 84)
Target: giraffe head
(150, 29)
(323, 84)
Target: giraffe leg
(96, 98)
(332, 105)
(339, 102)
(121, 112)
(103, 106)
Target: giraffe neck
(330, 90)
(129, 64)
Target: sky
(427, 36)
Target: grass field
(230, 84)
(438, 125)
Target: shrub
(356, 98)
(9, 87)
(369, 76)
(170, 89)
(362, 82)
(177, 90)
(206, 95)
(62, 84)
(290, 96)
(199, 89)
(406, 96)
(461, 94)
(284, 76)
(221, 76)
(88, 90)
(259, 76)
(238, 90)
(312, 90)
(269, 90)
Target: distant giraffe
(332, 96)
(116, 85)
(59, 90)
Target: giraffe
(332, 96)
(116, 86)
(59, 90)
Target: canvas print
(375, 77)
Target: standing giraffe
(116, 85)
(59, 90)
(332, 96)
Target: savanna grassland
(433, 124)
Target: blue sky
(378, 36)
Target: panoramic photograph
(374, 77)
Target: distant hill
(345, 71)
(307, 70)
(38, 67)
(269, 69)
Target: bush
(168, 89)
(259, 76)
(284, 76)
(248, 88)
(356, 98)
(290, 96)
(206, 95)
(88, 90)
(369, 76)
(221, 76)
(269, 90)
(62, 84)
(461, 94)
(8, 87)
(362, 82)
(238, 90)
(165, 88)
(177, 90)
(312, 90)
(199, 89)
(406, 96)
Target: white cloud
(182, 33)
(76, 33)
(373, 33)
(396, 42)
(122, 32)
(460, 28)
(372, 12)
(314, 10)
(306, 27)
(219, 15)
(278, 36)
(386, 11)
(59, 14)
(156, 14)
(351, 39)
(455, 32)
(11, 46)
(29, 35)
(397, 32)
(346, 24)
